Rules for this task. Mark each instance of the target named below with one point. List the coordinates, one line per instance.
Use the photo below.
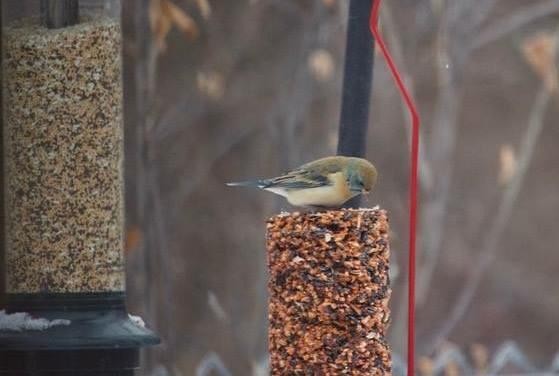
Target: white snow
(20, 321)
(137, 320)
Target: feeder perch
(63, 191)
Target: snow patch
(137, 320)
(20, 321)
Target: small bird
(327, 182)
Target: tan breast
(330, 196)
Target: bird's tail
(250, 183)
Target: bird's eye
(356, 183)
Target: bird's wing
(298, 179)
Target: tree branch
(489, 247)
(521, 18)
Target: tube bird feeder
(63, 191)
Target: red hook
(373, 24)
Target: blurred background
(220, 90)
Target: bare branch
(460, 22)
(164, 257)
(521, 18)
(441, 147)
(425, 171)
(489, 246)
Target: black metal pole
(358, 75)
(59, 13)
(2, 235)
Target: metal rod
(56, 14)
(2, 179)
(358, 72)
(356, 91)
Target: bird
(324, 183)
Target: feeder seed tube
(63, 151)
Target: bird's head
(361, 175)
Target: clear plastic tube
(63, 146)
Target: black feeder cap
(100, 339)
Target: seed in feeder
(328, 301)
(63, 154)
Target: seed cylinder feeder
(63, 198)
(329, 285)
(329, 290)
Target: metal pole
(356, 92)
(2, 234)
(358, 72)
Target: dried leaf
(480, 356)
(182, 20)
(211, 84)
(508, 164)
(163, 14)
(132, 239)
(321, 65)
(451, 369)
(205, 8)
(539, 51)
(425, 366)
(160, 23)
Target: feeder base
(99, 339)
(119, 362)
